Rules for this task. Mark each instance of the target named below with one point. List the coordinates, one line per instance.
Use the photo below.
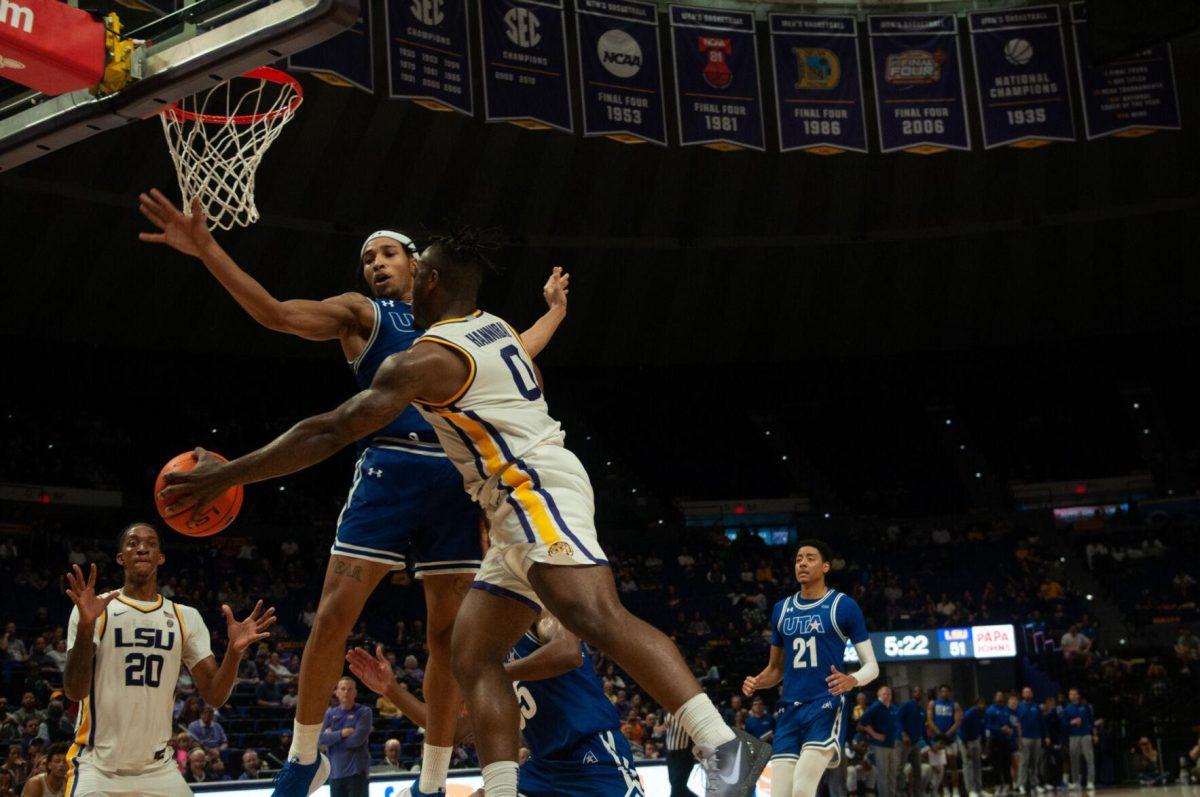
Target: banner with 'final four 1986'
(620, 72)
(715, 56)
(1021, 77)
(818, 84)
(919, 96)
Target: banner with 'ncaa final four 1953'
(919, 95)
(525, 63)
(715, 57)
(818, 84)
(1132, 96)
(620, 72)
(429, 53)
(1021, 77)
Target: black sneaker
(732, 770)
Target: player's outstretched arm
(89, 607)
(430, 371)
(376, 674)
(538, 336)
(560, 653)
(332, 319)
(771, 675)
(214, 683)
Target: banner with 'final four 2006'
(525, 63)
(717, 91)
(818, 84)
(1021, 77)
(620, 72)
(919, 95)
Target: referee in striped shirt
(680, 760)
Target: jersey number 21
(803, 646)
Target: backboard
(189, 47)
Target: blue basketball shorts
(407, 508)
(818, 724)
(601, 766)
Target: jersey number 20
(802, 646)
(142, 670)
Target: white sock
(304, 742)
(703, 723)
(781, 776)
(435, 763)
(500, 779)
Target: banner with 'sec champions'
(818, 84)
(525, 63)
(429, 53)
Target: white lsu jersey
(124, 723)
(499, 415)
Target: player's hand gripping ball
(188, 518)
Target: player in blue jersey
(943, 718)
(809, 632)
(570, 726)
(406, 505)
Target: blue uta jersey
(943, 714)
(813, 637)
(559, 713)
(394, 332)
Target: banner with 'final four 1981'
(620, 72)
(919, 95)
(818, 84)
(717, 91)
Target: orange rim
(267, 73)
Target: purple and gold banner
(1021, 77)
(1131, 97)
(818, 84)
(717, 91)
(919, 95)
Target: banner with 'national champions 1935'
(919, 95)
(1132, 96)
(525, 63)
(715, 56)
(620, 72)
(1021, 77)
(818, 84)
(429, 53)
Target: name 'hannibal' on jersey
(499, 414)
(813, 637)
(124, 723)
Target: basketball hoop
(218, 138)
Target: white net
(218, 138)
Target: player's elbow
(74, 692)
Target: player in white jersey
(470, 376)
(125, 651)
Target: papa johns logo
(914, 67)
(817, 68)
(620, 54)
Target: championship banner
(345, 60)
(919, 96)
(1131, 97)
(1021, 77)
(525, 64)
(429, 54)
(818, 84)
(620, 73)
(715, 58)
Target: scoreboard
(943, 644)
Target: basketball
(212, 518)
(1018, 52)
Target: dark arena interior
(969, 369)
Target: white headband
(398, 236)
